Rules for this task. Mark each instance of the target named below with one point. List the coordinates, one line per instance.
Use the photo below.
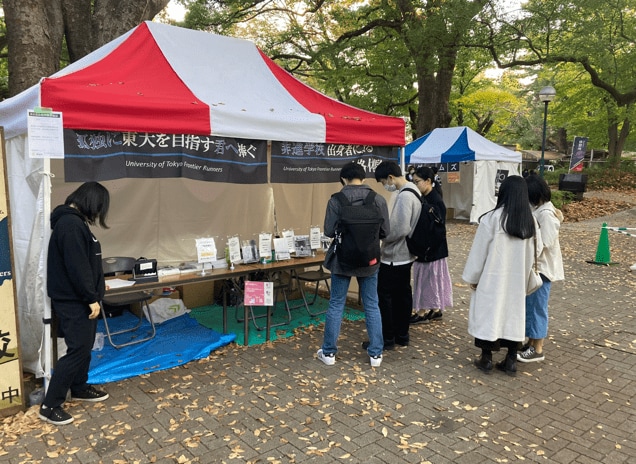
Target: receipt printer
(145, 270)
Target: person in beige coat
(498, 268)
(550, 265)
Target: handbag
(534, 279)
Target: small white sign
(206, 250)
(45, 134)
(314, 238)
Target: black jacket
(439, 248)
(74, 268)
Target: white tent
(160, 79)
(471, 168)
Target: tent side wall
(28, 193)
(487, 176)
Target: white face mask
(390, 187)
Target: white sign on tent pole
(45, 133)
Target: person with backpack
(433, 290)
(356, 218)
(394, 279)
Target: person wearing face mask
(394, 279)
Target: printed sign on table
(258, 293)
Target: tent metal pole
(46, 233)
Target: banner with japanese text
(99, 155)
(299, 163)
(579, 147)
(11, 385)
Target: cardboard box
(195, 295)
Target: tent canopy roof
(455, 144)
(165, 79)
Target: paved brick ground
(426, 403)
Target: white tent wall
(28, 196)
(475, 193)
(459, 196)
(162, 218)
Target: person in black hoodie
(75, 284)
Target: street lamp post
(546, 95)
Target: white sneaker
(375, 360)
(328, 359)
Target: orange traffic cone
(603, 249)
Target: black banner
(300, 163)
(97, 155)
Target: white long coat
(500, 265)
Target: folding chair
(124, 265)
(315, 277)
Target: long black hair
(516, 216)
(538, 190)
(92, 200)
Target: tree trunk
(616, 142)
(36, 30)
(34, 35)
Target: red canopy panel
(121, 94)
(345, 124)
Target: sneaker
(365, 345)
(417, 319)
(375, 360)
(91, 394)
(530, 355)
(55, 416)
(328, 359)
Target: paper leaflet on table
(314, 237)
(265, 245)
(282, 249)
(206, 250)
(234, 248)
(289, 236)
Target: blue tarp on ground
(177, 342)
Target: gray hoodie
(403, 217)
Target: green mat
(211, 316)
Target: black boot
(509, 365)
(484, 363)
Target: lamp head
(547, 94)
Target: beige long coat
(500, 265)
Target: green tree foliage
(595, 38)
(395, 57)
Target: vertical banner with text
(578, 153)
(11, 386)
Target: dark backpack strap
(341, 198)
(370, 198)
(409, 189)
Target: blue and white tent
(481, 165)
(455, 144)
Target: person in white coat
(550, 265)
(498, 268)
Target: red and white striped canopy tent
(164, 79)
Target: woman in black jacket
(432, 290)
(75, 284)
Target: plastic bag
(165, 309)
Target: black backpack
(427, 240)
(358, 232)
